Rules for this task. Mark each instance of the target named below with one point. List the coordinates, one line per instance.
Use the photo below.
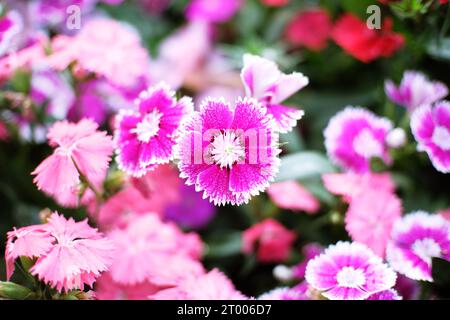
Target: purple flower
(416, 239)
(266, 83)
(10, 26)
(49, 87)
(431, 128)
(354, 136)
(192, 211)
(212, 10)
(415, 90)
(349, 271)
(145, 137)
(229, 152)
(98, 98)
(390, 294)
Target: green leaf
(20, 81)
(224, 245)
(303, 165)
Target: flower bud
(282, 273)
(10, 290)
(396, 138)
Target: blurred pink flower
(107, 289)
(213, 285)
(80, 149)
(69, 254)
(351, 185)
(293, 196)
(354, 136)
(390, 294)
(371, 217)
(153, 192)
(415, 90)
(275, 3)
(173, 65)
(11, 25)
(430, 125)
(298, 292)
(310, 29)
(445, 213)
(101, 47)
(25, 58)
(265, 82)
(270, 239)
(416, 239)
(151, 250)
(212, 10)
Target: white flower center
(441, 137)
(148, 127)
(227, 149)
(366, 145)
(426, 249)
(350, 277)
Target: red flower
(363, 43)
(310, 28)
(271, 240)
(275, 3)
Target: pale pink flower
(105, 47)
(213, 285)
(80, 150)
(173, 65)
(265, 82)
(153, 192)
(270, 239)
(25, 58)
(107, 289)
(293, 196)
(415, 90)
(31, 241)
(151, 250)
(371, 217)
(350, 185)
(69, 254)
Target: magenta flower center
(366, 145)
(350, 277)
(227, 149)
(426, 249)
(148, 127)
(441, 137)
